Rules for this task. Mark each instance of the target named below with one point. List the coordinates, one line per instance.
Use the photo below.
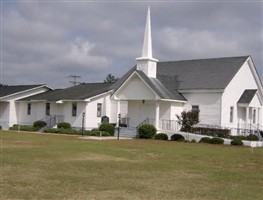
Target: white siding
(75, 121)
(209, 104)
(165, 110)
(243, 80)
(135, 89)
(176, 109)
(139, 111)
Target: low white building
(227, 91)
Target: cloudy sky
(46, 41)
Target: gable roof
(162, 91)
(14, 89)
(247, 96)
(78, 92)
(214, 73)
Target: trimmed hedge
(106, 127)
(39, 124)
(250, 137)
(216, 141)
(17, 127)
(161, 136)
(67, 131)
(97, 132)
(64, 125)
(237, 142)
(214, 132)
(205, 140)
(177, 137)
(147, 131)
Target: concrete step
(128, 132)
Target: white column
(247, 115)
(157, 114)
(118, 111)
(259, 120)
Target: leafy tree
(187, 120)
(110, 79)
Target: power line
(74, 79)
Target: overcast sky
(46, 41)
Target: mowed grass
(41, 166)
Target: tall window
(231, 114)
(29, 108)
(195, 108)
(99, 108)
(74, 109)
(47, 108)
(254, 116)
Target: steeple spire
(147, 43)
(146, 62)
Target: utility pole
(74, 79)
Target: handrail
(52, 120)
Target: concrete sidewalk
(103, 138)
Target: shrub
(107, 128)
(177, 137)
(97, 132)
(214, 132)
(147, 131)
(216, 141)
(64, 125)
(241, 137)
(161, 136)
(205, 140)
(237, 142)
(17, 127)
(187, 120)
(67, 131)
(193, 141)
(39, 124)
(252, 137)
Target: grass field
(41, 166)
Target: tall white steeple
(146, 62)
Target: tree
(187, 120)
(110, 79)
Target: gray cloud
(44, 42)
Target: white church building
(227, 91)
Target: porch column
(157, 114)
(259, 120)
(118, 111)
(247, 115)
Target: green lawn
(41, 166)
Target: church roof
(213, 73)
(78, 92)
(173, 76)
(6, 90)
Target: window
(99, 108)
(195, 108)
(47, 108)
(254, 116)
(29, 108)
(74, 109)
(231, 114)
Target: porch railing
(169, 125)
(164, 124)
(52, 120)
